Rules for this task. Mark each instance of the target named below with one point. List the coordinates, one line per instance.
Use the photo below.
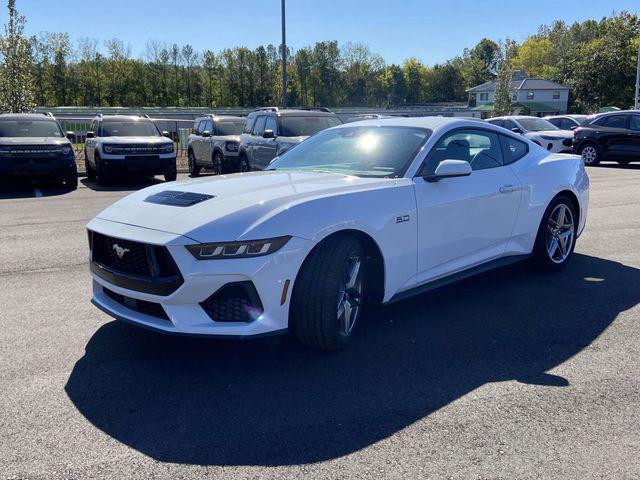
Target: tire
(101, 174)
(323, 286)
(590, 153)
(243, 164)
(91, 173)
(217, 164)
(171, 174)
(548, 253)
(194, 169)
(71, 181)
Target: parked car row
(611, 136)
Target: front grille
(121, 255)
(235, 302)
(567, 142)
(141, 306)
(35, 151)
(138, 150)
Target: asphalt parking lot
(513, 374)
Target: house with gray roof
(529, 96)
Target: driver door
(465, 221)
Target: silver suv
(117, 145)
(213, 144)
(269, 132)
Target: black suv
(609, 136)
(269, 132)
(33, 145)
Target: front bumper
(202, 278)
(37, 167)
(140, 164)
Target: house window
(556, 95)
(484, 97)
(530, 95)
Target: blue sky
(431, 30)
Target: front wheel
(327, 300)
(217, 164)
(194, 168)
(243, 164)
(171, 174)
(590, 154)
(556, 238)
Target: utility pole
(637, 78)
(284, 56)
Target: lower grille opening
(235, 302)
(141, 306)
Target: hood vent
(178, 199)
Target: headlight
(66, 150)
(107, 148)
(231, 146)
(248, 249)
(167, 148)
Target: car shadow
(122, 185)
(630, 166)
(273, 402)
(23, 188)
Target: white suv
(117, 145)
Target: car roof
(218, 118)
(299, 112)
(431, 123)
(107, 118)
(615, 112)
(26, 116)
(567, 115)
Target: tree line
(596, 59)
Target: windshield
(129, 128)
(359, 151)
(230, 128)
(535, 124)
(306, 126)
(30, 128)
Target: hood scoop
(178, 199)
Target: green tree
(502, 102)
(16, 80)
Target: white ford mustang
(371, 211)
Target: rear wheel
(590, 154)
(194, 169)
(327, 301)
(556, 236)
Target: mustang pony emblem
(119, 250)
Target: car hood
(240, 203)
(34, 141)
(135, 140)
(559, 134)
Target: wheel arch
(374, 257)
(574, 200)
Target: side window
(498, 123)
(201, 127)
(207, 126)
(556, 121)
(248, 125)
(194, 129)
(92, 127)
(510, 125)
(566, 124)
(482, 149)
(271, 124)
(512, 149)
(258, 128)
(611, 121)
(634, 122)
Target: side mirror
(91, 135)
(166, 134)
(268, 134)
(71, 136)
(206, 134)
(449, 169)
(516, 130)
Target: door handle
(509, 188)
